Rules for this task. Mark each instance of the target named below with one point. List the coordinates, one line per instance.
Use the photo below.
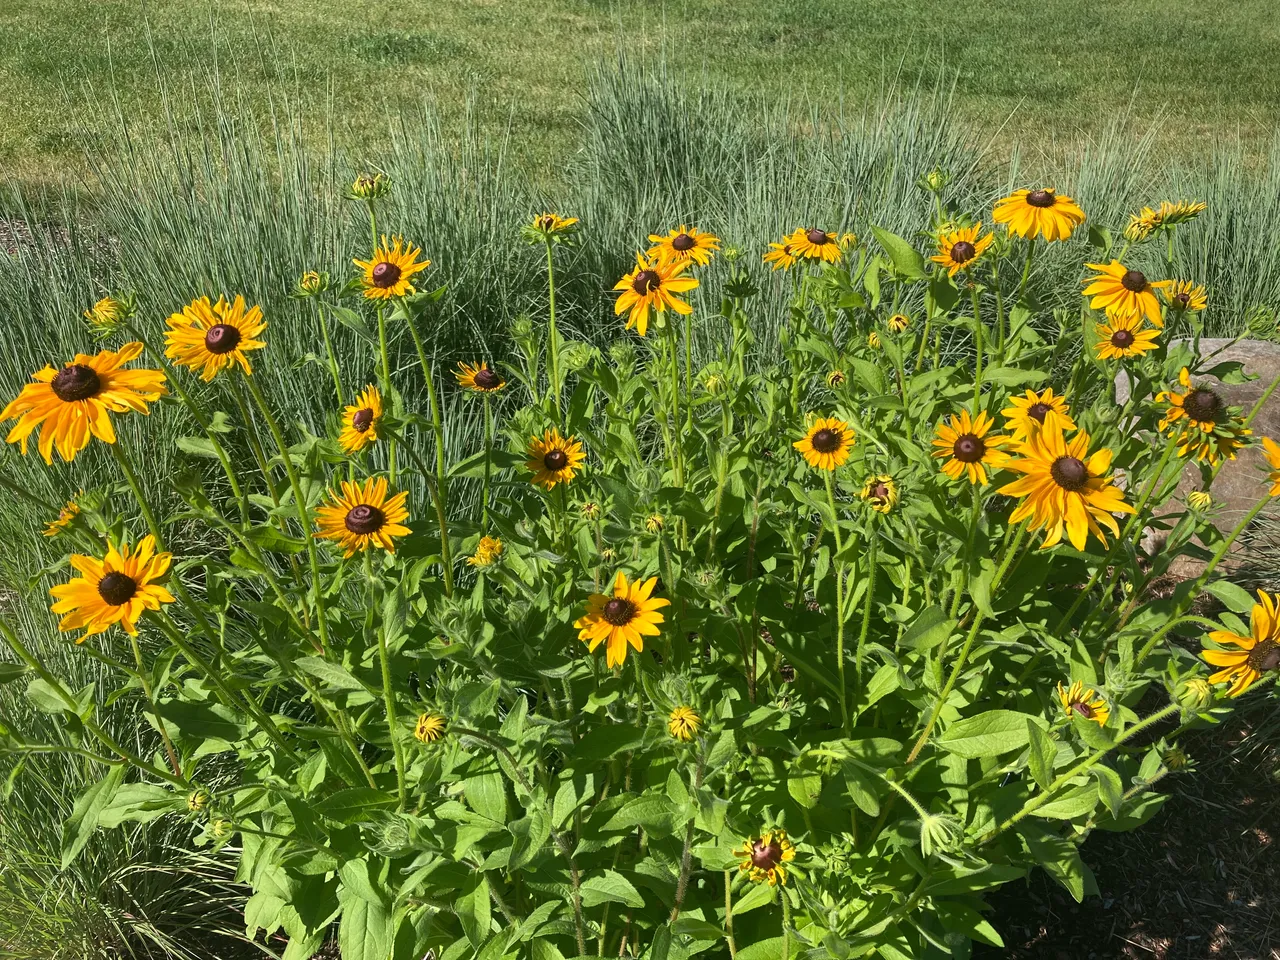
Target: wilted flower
(550, 228)
(66, 517)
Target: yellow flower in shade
(1122, 336)
(390, 273)
(764, 857)
(960, 249)
(210, 337)
(655, 522)
(969, 447)
(1185, 295)
(625, 617)
(873, 340)
(1253, 655)
(826, 444)
(652, 286)
(1118, 290)
(685, 244)
(197, 800)
(1084, 702)
(1027, 413)
(881, 492)
(835, 378)
(362, 516)
(312, 283)
(1271, 450)
(488, 552)
(899, 322)
(479, 378)
(1202, 500)
(430, 728)
(360, 421)
(66, 517)
(1064, 488)
(1202, 422)
(1042, 212)
(548, 226)
(684, 723)
(107, 313)
(813, 243)
(554, 459)
(72, 404)
(115, 589)
(781, 256)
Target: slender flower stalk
(553, 335)
(388, 692)
(867, 603)
(840, 612)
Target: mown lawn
(1037, 74)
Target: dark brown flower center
(555, 460)
(818, 237)
(969, 448)
(221, 338)
(1265, 656)
(385, 274)
(1134, 281)
(546, 222)
(1038, 411)
(1069, 473)
(1182, 297)
(117, 588)
(826, 440)
(365, 519)
(766, 856)
(1122, 339)
(618, 611)
(880, 491)
(1041, 198)
(362, 420)
(1203, 405)
(963, 251)
(683, 242)
(487, 379)
(76, 382)
(646, 282)
(1082, 708)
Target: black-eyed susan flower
(826, 444)
(197, 800)
(1118, 290)
(764, 857)
(551, 227)
(835, 378)
(1082, 701)
(1142, 225)
(108, 313)
(1027, 413)
(553, 459)
(361, 420)
(362, 516)
(1206, 428)
(1064, 488)
(1185, 295)
(72, 404)
(1202, 500)
(1271, 450)
(590, 509)
(116, 589)
(1253, 655)
(1124, 336)
(873, 340)
(311, 284)
(655, 522)
(624, 617)
(479, 378)
(898, 322)
(390, 273)
(684, 723)
(684, 244)
(66, 517)
(781, 256)
(210, 337)
(814, 243)
(1042, 212)
(960, 249)
(488, 552)
(430, 728)
(881, 492)
(654, 286)
(969, 447)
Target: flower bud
(370, 187)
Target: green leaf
(354, 805)
(45, 697)
(770, 949)
(198, 447)
(1042, 754)
(334, 675)
(353, 321)
(473, 910)
(139, 802)
(487, 794)
(988, 734)
(609, 886)
(79, 827)
(11, 671)
(927, 630)
(604, 742)
(1110, 788)
(1013, 376)
(906, 261)
(1236, 598)
(759, 895)
(964, 919)
(804, 788)
(697, 929)
(651, 811)
(202, 721)
(1076, 802)
(366, 931)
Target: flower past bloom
(115, 589)
(826, 444)
(360, 421)
(1027, 413)
(764, 857)
(553, 459)
(211, 337)
(479, 378)
(968, 447)
(488, 552)
(960, 249)
(1039, 213)
(390, 273)
(1123, 336)
(429, 728)
(550, 227)
(73, 403)
(1118, 290)
(624, 617)
(1081, 701)
(881, 492)
(1243, 660)
(684, 244)
(653, 286)
(684, 723)
(66, 517)
(360, 517)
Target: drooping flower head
(1205, 427)
(826, 444)
(361, 517)
(684, 723)
(1123, 336)
(1253, 655)
(684, 244)
(1064, 488)
(654, 286)
(764, 857)
(116, 589)
(1042, 212)
(488, 552)
(1142, 225)
(1027, 413)
(781, 256)
(479, 378)
(361, 420)
(390, 273)
(881, 491)
(814, 243)
(210, 337)
(1117, 290)
(624, 617)
(960, 249)
(969, 447)
(553, 458)
(73, 403)
(1084, 702)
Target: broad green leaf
(366, 931)
(11, 671)
(333, 675)
(79, 827)
(605, 741)
(1110, 787)
(354, 805)
(988, 734)
(964, 919)
(609, 886)
(487, 794)
(906, 260)
(927, 630)
(804, 787)
(1236, 598)
(202, 721)
(770, 949)
(1075, 802)
(759, 895)
(1043, 752)
(651, 811)
(1013, 376)
(197, 447)
(698, 929)
(140, 802)
(474, 910)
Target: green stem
(553, 336)
(145, 682)
(728, 914)
(26, 494)
(866, 607)
(1165, 630)
(488, 465)
(386, 383)
(434, 494)
(786, 923)
(977, 345)
(328, 350)
(388, 693)
(1026, 269)
(839, 568)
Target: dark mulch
(1200, 881)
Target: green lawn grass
(1042, 75)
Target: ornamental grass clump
(732, 657)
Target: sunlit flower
(1027, 413)
(553, 459)
(969, 447)
(1202, 500)
(881, 491)
(488, 552)
(764, 857)
(652, 286)
(1142, 225)
(873, 340)
(361, 420)
(960, 249)
(390, 273)
(684, 244)
(1185, 295)
(551, 227)
(370, 186)
(813, 243)
(311, 284)
(211, 337)
(1118, 290)
(479, 378)
(108, 313)
(1203, 424)
(781, 256)
(899, 322)
(1084, 702)
(624, 617)
(66, 517)
(72, 404)
(1254, 655)
(363, 516)
(1042, 212)
(684, 723)
(655, 522)
(835, 378)
(115, 589)
(1123, 336)
(430, 728)
(826, 444)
